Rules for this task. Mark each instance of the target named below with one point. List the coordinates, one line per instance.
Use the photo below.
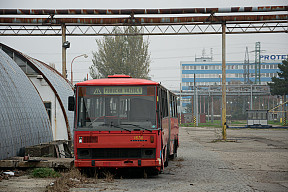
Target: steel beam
(139, 11)
(143, 20)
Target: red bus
(123, 122)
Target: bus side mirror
(71, 103)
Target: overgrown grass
(45, 173)
(274, 123)
(243, 122)
(215, 124)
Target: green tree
(121, 54)
(279, 86)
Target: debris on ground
(8, 173)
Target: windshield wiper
(116, 126)
(137, 126)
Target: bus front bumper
(119, 163)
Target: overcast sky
(166, 51)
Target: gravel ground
(252, 160)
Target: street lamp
(84, 55)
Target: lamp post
(84, 55)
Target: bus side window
(159, 106)
(171, 108)
(164, 103)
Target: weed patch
(66, 181)
(108, 176)
(45, 173)
(180, 159)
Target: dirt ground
(251, 160)
(260, 154)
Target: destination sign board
(118, 91)
(115, 90)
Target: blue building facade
(210, 73)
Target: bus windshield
(116, 108)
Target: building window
(48, 108)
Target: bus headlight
(80, 139)
(159, 160)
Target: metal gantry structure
(49, 22)
(102, 22)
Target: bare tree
(121, 54)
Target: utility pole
(196, 119)
(224, 123)
(251, 97)
(192, 108)
(180, 120)
(63, 51)
(208, 105)
(212, 110)
(257, 63)
(246, 67)
(65, 45)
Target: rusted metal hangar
(33, 102)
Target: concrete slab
(18, 162)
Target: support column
(208, 105)
(204, 110)
(180, 120)
(192, 108)
(63, 51)
(251, 98)
(212, 110)
(200, 104)
(224, 123)
(285, 111)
